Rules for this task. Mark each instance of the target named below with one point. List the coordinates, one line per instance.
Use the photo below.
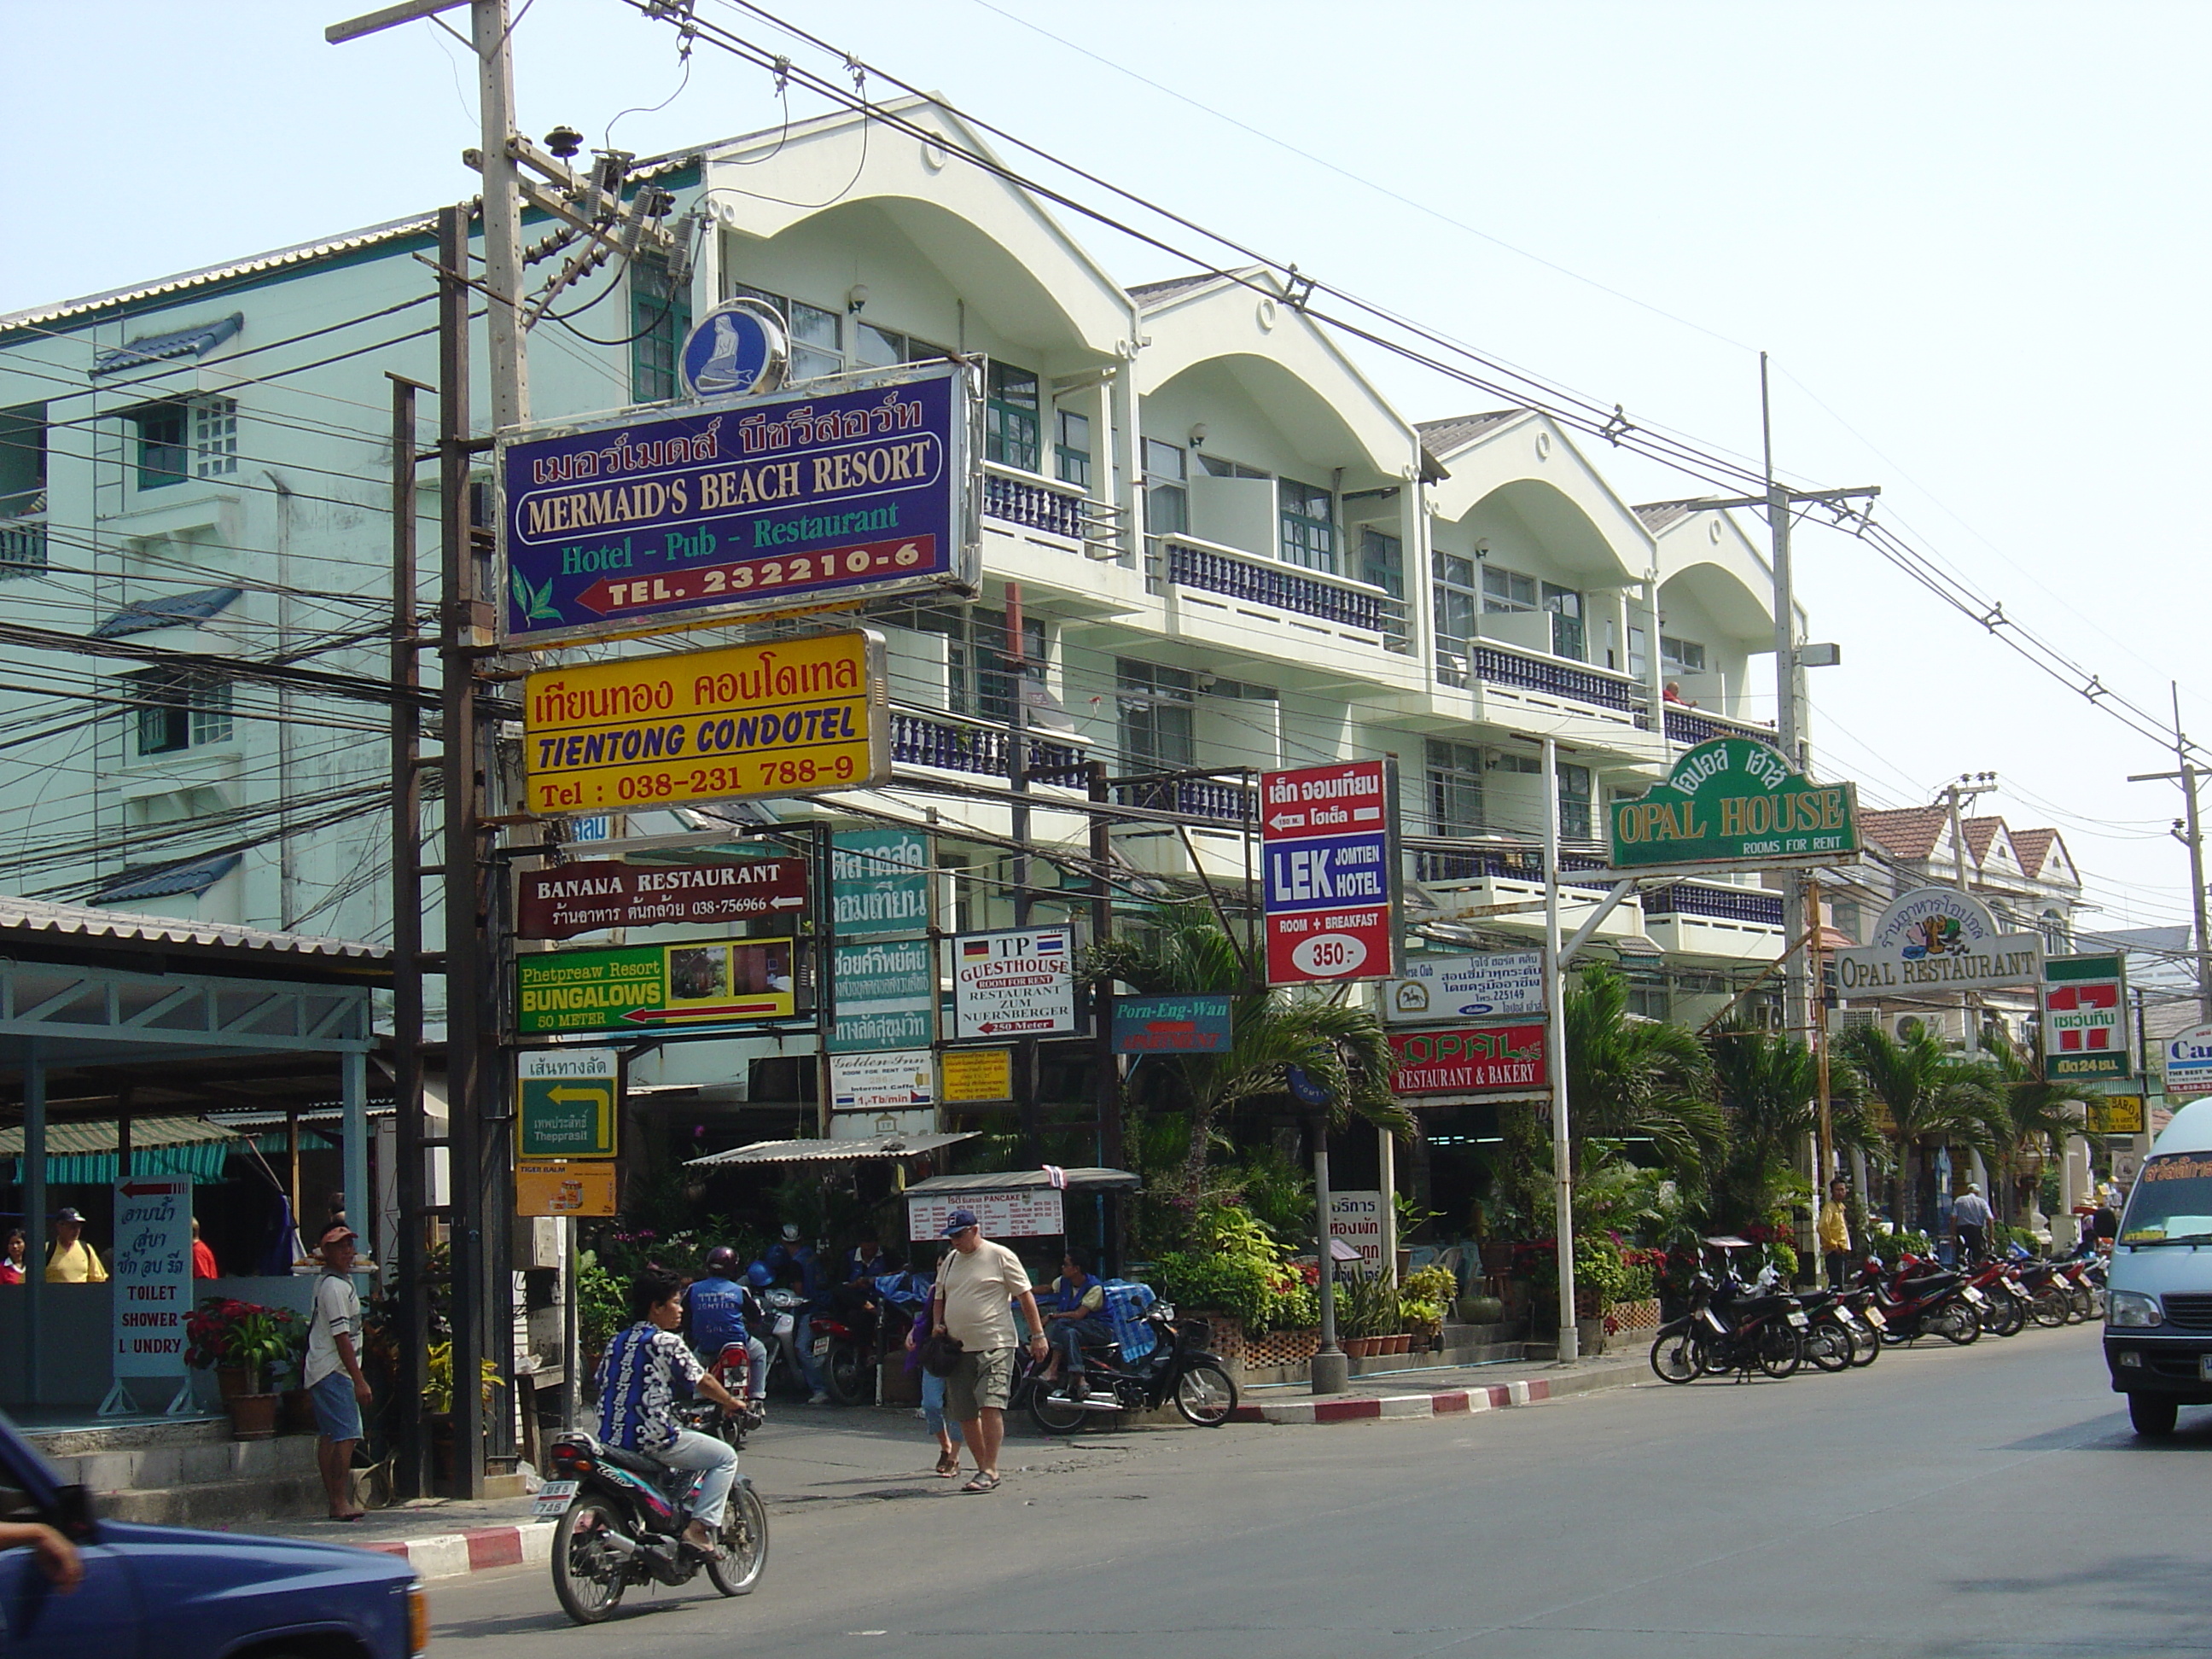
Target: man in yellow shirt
(73, 1261)
(1836, 1232)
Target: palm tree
(1927, 1088)
(1629, 1077)
(1769, 1086)
(2028, 1111)
(1343, 1049)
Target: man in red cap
(333, 1375)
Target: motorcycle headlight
(2133, 1308)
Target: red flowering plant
(222, 1331)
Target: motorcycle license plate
(1977, 1297)
(2204, 1366)
(553, 1499)
(1873, 1317)
(1797, 1318)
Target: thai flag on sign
(1048, 944)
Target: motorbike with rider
(715, 1323)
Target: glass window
(877, 348)
(1218, 468)
(1010, 417)
(1574, 802)
(1687, 655)
(163, 442)
(1507, 590)
(816, 342)
(1566, 608)
(1070, 450)
(1382, 562)
(1167, 488)
(180, 708)
(1455, 777)
(22, 460)
(659, 318)
(1309, 525)
(215, 436)
(1156, 720)
(1507, 761)
(2172, 1203)
(1639, 654)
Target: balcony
(23, 534)
(1185, 562)
(1442, 867)
(1740, 924)
(1206, 798)
(1030, 503)
(1692, 726)
(1459, 662)
(1751, 904)
(952, 743)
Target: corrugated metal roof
(196, 342)
(831, 1152)
(84, 1139)
(1154, 293)
(195, 878)
(142, 616)
(73, 921)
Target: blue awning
(172, 610)
(158, 348)
(195, 878)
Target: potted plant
(258, 1342)
(1422, 1299)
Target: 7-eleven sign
(2085, 1019)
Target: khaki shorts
(982, 1378)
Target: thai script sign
(567, 1102)
(777, 719)
(152, 1283)
(1329, 845)
(1467, 987)
(1023, 1214)
(886, 992)
(679, 519)
(2189, 1061)
(1013, 984)
(1937, 938)
(1172, 1025)
(976, 1076)
(897, 1082)
(1357, 1218)
(879, 882)
(654, 987)
(600, 893)
(1498, 1059)
(1735, 801)
(2085, 1019)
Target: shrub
(1235, 1266)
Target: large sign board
(2114, 1114)
(1172, 1025)
(902, 1081)
(2085, 1019)
(1019, 984)
(651, 521)
(976, 1076)
(567, 1102)
(1329, 848)
(879, 882)
(1494, 987)
(2189, 1061)
(886, 995)
(1937, 939)
(781, 718)
(654, 987)
(1019, 1214)
(152, 1281)
(1495, 1060)
(600, 893)
(1732, 801)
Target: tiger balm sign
(1937, 939)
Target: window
(185, 437)
(161, 444)
(215, 436)
(1504, 761)
(1167, 488)
(1309, 525)
(659, 318)
(882, 347)
(1457, 597)
(1157, 724)
(1382, 562)
(981, 672)
(1507, 590)
(1566, 608)
(1010, 417)
(1216, 467)
(817, 337)
(1071, 449)
(1454, 776)
(22, 460)
(180, 708)
(1574, 802)
(1685, 654)
(1639, 654)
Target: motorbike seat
(635, 1462)
(1754, 1305)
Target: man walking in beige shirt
(976, 1289)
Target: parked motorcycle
(1835, 1334)
(1922, 1299)
(1176, 1369)
(1731, 1327)
(623, 1516)
(2006, 1306)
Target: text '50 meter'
(784, 718)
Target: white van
(2158, 1305)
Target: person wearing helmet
(714, 1318)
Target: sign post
(1500, 986)
(1735, 803)
(1936, 939)
(1172, 1024)
(654, 987)
(152, 1286)
(2189, 1062)
(595, 894)
(1328, 838)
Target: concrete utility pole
(1970, 787)
(2190, 833)
(1555, 986)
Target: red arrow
(646, 1016)
(161, 1189)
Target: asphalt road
(1981, 1501)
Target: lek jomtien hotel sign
(1937, 939)
(1736, 802)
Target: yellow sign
(782, 718)
(2114, 1115)
(561, 1186)
(975, 1076)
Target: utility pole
(1555, 1044)
(1969, 787)
(2189, 832)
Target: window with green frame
(164, 443)
(1382, 562)
(180, 708)
(1308, 517)
(1574, 802)
(1070, 450)
(1454, 778)
(1167, 488)
(659, 318)
(1011, 419)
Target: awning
(156, 347)
(833, 1151)
(167, 611)
(1021, 1180)
(195, 876)
(85, 1154)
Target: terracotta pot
(253, 1416)
(1355, 1348)
(1402, 1343)
(231, 1381)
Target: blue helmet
(759, 1276)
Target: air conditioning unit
(1856, 1019)
(1909, 1026)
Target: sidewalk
(1441, 1392)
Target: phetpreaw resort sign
(1732, 801)
(1937, 939)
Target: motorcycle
(1923, 1300)
(846, 1337)
(1176, 1368)
(778, 1326)
(1731, 1327)
(1836, 1334)
(623, 1515)
(2007, 1306)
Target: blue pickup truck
(174, 1593)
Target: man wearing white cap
(333, 1378)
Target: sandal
(982, 1483)
(948, 1464)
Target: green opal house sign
(1734, 801)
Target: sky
(1971, 236)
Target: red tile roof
(2034, 846)
(1908, 832)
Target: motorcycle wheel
(2016, 1319)
(1866, 1348)
(1205, 1396)
(1957, 1323)
(744, 1543)
(845, 1373)
(1829, 1345)
(587, 1576)
(2081, 1306)
(1679, 1358)
(1051, 1419)
(1781, 1351)
(2052, 1306)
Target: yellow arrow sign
(560, 1094)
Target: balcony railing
(1695, 727)
(1442, 865)
(1195, 798)
(1725, 903)
(22, 533)
(952, 743)
(1057, 509)
(1184, 561)
(1462, 662)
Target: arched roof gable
(1525, 459)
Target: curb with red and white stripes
(450, 1554)
(1450, 1402)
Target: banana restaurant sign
(1734, 801)
(1937, 939)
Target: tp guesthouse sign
(1937, 938)
(1732, 801)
